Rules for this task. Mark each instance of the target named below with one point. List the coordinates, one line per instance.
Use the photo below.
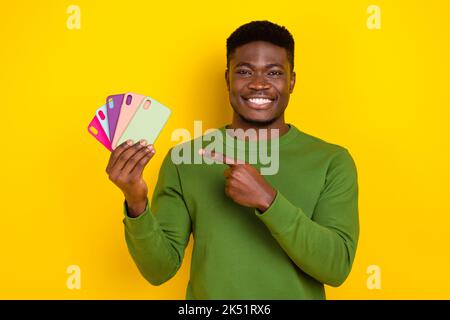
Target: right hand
(125, 167)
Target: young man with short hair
(277, 236)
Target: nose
(258, 82)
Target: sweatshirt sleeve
(157, 239)
(324, 245)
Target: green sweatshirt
(305, 239)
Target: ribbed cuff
(142, 225)
(281, 215)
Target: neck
(240, 123)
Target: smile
(258, 103)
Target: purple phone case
(113, 112)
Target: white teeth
(259, 100)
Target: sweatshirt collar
(234, 142)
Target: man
(279, 236)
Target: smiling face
(259, 82)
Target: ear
(227, 79)
(292, 82)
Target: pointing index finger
(219, 157)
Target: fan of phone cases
(128, 116)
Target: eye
(243, 72)
(277, 73)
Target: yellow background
(383, 94)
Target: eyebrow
(270, 65)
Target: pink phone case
(130, 104)
(95, 128)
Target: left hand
(243, 182)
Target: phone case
(102, 116)
(95, 128)
(114, 103)
(130, 104)
(148, 121)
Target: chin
(258, 121)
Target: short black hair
(262, 30)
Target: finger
(117, 152)
(139, 167)
(135, 158)
(126, 155)
(219, 157)
(227, 173)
